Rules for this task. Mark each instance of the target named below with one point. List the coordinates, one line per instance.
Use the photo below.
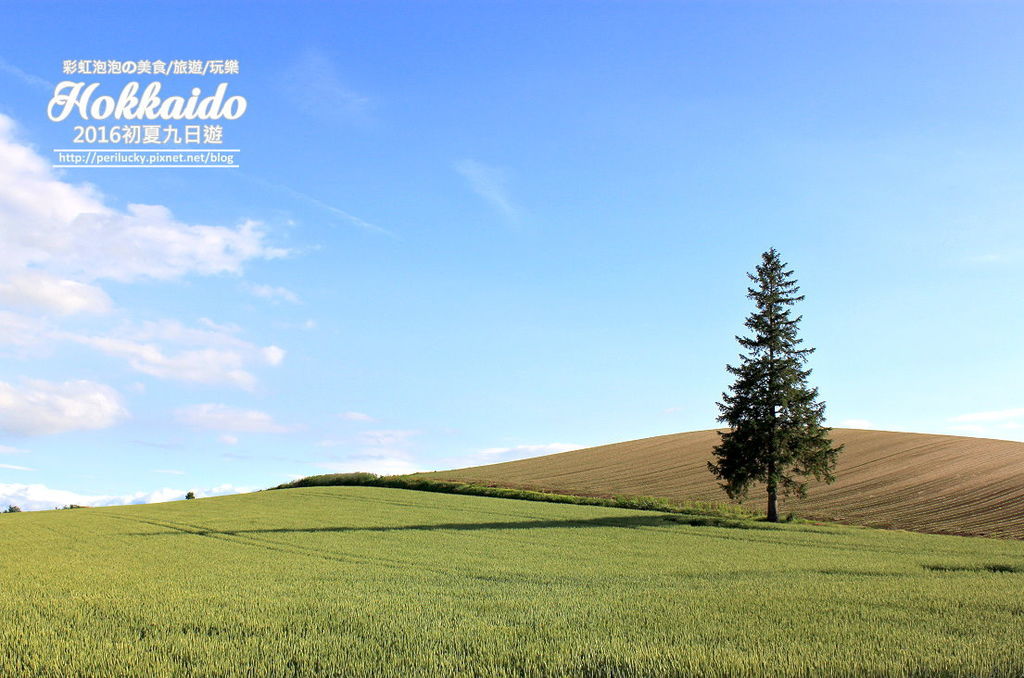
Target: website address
(134, 158)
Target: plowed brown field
(911, 481)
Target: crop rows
(364, 581)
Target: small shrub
(190, 495)
(11, 508)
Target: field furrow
(927, 483)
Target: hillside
(912, 481)
(366, 581)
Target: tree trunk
(773, 499)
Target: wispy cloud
(384, 451)
(386, 437)
(220, 417)
(271, 293)
(347, 217)
(25, 77)
(496, 455)
(991, 416)
(168, 349)
(38, 497)
(1005, 424)
(525, 451)
(1007, 256)
(12, 467)
(315, 86)
(381, 465)
(491, 184)
(356, 416)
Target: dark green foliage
(998, 567)
(68, 507)
(776, 435)
(12, 509)
(190, 495)
(450, 487)
(326, 479)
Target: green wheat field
(364, 581)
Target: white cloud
(856, 423)
(204, 366)
(525, 451)
(219, 417)
(384, 451)
(145, 242)
(381, 465)
(225, 488)
(490, 183)
(273, 355)
(40, 407)
(273, 293)
(208, 355)
(12, 467)
(991, 416)
(67, 236)
(7, 449)
(36, 290)
(40, 497)
(1005, 424)
(229, 440)
(167, 349)
(22, 331)
(356, 416)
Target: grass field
(359, 581)
(911, 481)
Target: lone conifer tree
(777, 435)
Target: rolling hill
(912, 481)
(378, 582)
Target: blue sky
(471, 232)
